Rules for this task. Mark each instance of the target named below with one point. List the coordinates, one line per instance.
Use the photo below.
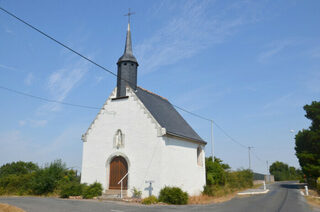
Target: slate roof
(167, 116)
(127, 54)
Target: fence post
(307, 192)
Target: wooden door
(118, 169)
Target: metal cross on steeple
(129, 14)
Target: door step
(113, 194)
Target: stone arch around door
(117, 167)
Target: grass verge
(313, 198)
(222, 195)
(9, 208)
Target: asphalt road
(283, 196)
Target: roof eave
(187, 138)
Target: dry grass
(9, 208)
(221, 195)
(313, 199)
(205, 199)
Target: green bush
(92, 190)
(136, 193)
(46, 180)
(16, 177)
(16, 184)
(233, 181)
(150, 200)
(71, 189)
(240, 179)
(173, 195)
(43, 183)
(210, 190)
(23, 178)
(215, 171)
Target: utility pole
(267, 167)
(249, 148)
(212, 141)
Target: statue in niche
(118, 139)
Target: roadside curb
(254, 192)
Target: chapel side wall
(181, 167)
(142, 145)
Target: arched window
(199, 156)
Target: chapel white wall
(180, 165)
(165, 160)
(142, 146)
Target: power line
(194, 114)
(47, 100)
(58, 42)
(258, 157)
(110, 72)
(215, 123)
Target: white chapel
(144, 142)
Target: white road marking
(254, 192)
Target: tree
(308, 143)
(282, 171)
(18, 168)
(215, 171)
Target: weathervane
(129, 14)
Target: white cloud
(191, 30)
(99, 78)
(273, 49)
(9, 31)
(33, 123)
(29, 79)
(38, 123)
(279, 102)
(62, 81)
(9, 68)
(22, 122)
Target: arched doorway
(118, 169)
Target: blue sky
(248, 65)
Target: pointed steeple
(128, 55)
(127, 67)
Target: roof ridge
(153, 93)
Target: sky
(250, 66)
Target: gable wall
(142, 145)
(165, 160)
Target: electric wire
(55, 40)
(46, 99)
(110, 72)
